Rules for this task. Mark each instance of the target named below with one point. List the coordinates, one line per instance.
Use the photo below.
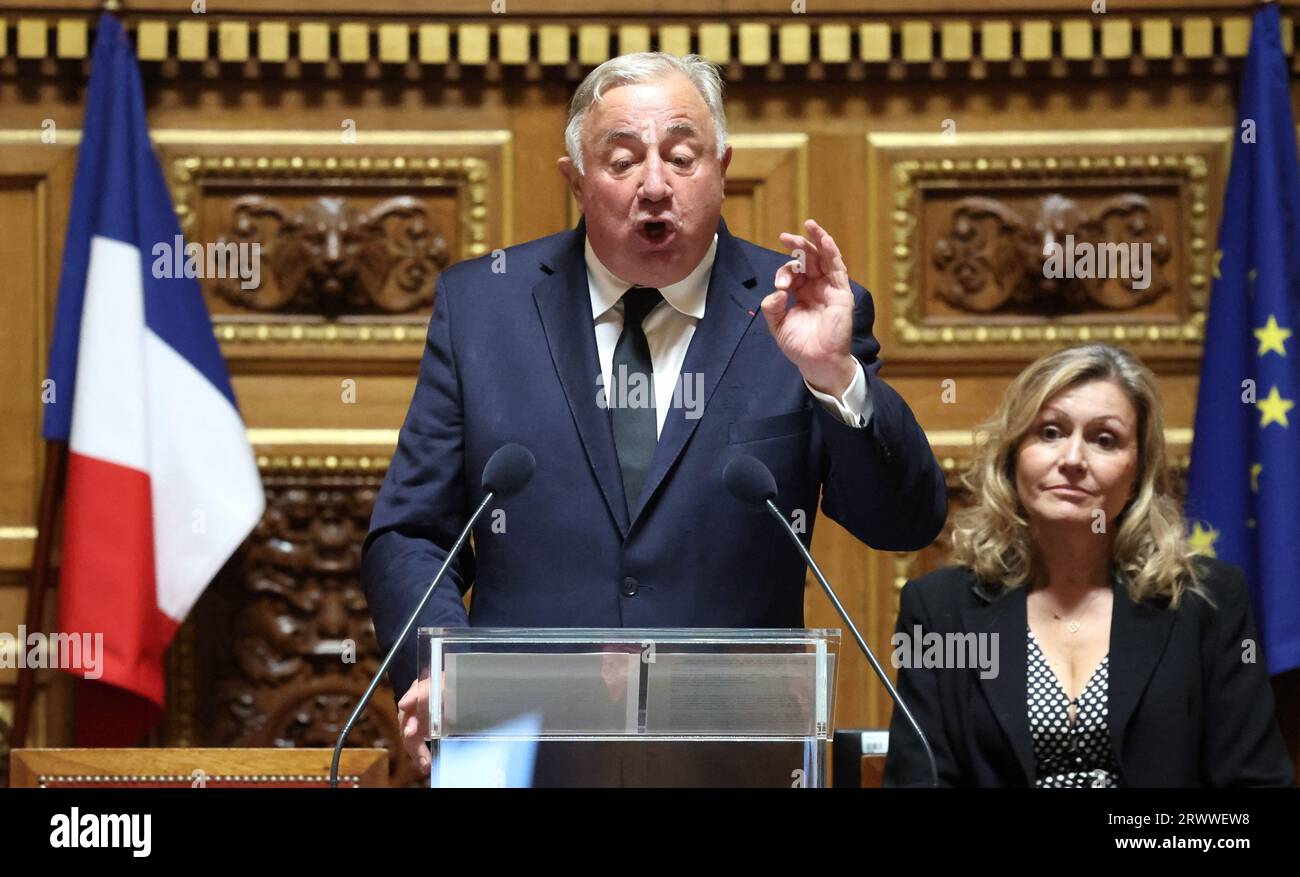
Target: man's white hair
(644, 67)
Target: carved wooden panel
(348, 235)
(332, 256)
(280, 648)
(1055, 255)
(1006, 244)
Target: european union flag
(1244, 484)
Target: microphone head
(749, 480)
(508, 470)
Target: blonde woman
(1117, 657)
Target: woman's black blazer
(1186, 705)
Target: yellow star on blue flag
(1236, 515)
(1272, 337)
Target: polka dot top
(1069, 756)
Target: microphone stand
(401, 640)
(862, 643)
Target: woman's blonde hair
(1150, 549)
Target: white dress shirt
(668, 330)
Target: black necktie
(632, 405)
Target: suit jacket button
(629, 586)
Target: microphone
(507, 471)
(752, 483)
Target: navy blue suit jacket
(511, 357)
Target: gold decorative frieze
(516, 44)
(322, 451)
(269, 463)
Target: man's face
(652, 191)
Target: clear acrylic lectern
(621, 707)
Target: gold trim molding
(521, 44)
(188, 779)
(350, 437)
(21, 533)
(305, 464)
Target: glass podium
(575, 707)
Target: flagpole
(56, 467)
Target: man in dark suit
(555, 343)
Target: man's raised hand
(810, 313)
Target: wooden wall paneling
(35, 187)
(767, 184)
(542, 203)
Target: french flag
(162, 485)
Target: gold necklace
(1073, 625)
